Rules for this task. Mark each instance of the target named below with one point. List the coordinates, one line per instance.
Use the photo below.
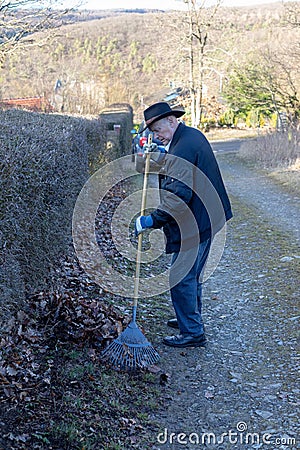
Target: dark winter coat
(194, 204)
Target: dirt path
(241, 391)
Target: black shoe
(182, 341)
(172, 323)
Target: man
(193, 207)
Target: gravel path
(271, 202)
(241, 391)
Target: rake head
(131, 350)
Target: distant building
(40, 104)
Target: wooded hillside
(137, 57)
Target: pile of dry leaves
(76, 313)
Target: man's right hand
(149, 148)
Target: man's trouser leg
(186, 294)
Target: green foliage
(134, 48)
(255, 119)
(149, 64)
(227, 119)
(265, 84)
(207, 123)
(59, 51)
(262, 120)
(273, 120)
(248, 89)
(252, 118)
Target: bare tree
(292, 13)
(21, 19)
(200, 20)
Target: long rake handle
(140, 237)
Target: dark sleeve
(176, 191)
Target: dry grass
(279, 155)
(220, 134)
(276, 150)
(289, 177)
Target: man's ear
(172, 120)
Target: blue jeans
(186, 294)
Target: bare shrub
(272, 150)
(44, 162)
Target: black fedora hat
(159, 111)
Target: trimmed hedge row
(44, 161)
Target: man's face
(164, 129)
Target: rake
(131, 350)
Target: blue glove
(142, 223)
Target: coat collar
(177, 135)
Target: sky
(158, 4)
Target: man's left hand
(142, 223)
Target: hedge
(44, 161)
